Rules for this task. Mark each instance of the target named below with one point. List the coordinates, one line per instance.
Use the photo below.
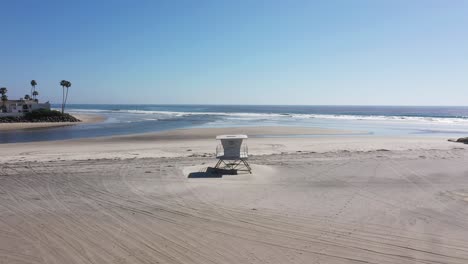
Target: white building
(18, 107)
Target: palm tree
(35, 94)
(27, 97)
(64, 84)
(33, 86)
(3, 90)
(66, 95)
(4, 97)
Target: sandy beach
(85, 119)
(337, 197)
(234, 132)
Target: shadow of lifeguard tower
(232, 154)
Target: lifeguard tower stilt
(232, 154)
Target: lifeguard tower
(232, 154)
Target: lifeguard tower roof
(221, 137)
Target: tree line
(34, 93)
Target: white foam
(284, 116)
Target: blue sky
(238, 52)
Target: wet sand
(327, 199)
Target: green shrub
(41, 115)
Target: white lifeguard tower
(232, 154)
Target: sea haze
(376, 120)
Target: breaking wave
(158, 115)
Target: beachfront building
(18, 107)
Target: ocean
(375, 120)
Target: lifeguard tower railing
(243, 153)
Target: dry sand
(341, 199)
(85, 119)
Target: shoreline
(202, 142)
(251, 131)
(85, 119)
